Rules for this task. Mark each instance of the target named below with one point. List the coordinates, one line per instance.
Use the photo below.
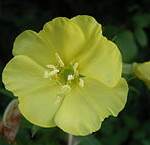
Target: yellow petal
(102, 61)
(82, 111)
(88, 25)
(71, 36)
(106, 101)
(65, 36)
(38, 98)
(76, 116)
(99, 58)
(142, 71)
(33, 45)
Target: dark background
(126, 22)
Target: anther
(54, 72)
(46, 74)
(59, 60)
(58, 100)
(81, 82)
(66, 87)
(70, 77)
(75, 67)
(51, 66)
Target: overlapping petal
(101, 61)
(33, 45)
(65, 36)
(82, 111)
(99, 58)
(76, 115)
(38, 98)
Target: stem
(70, 139)
(128, 68)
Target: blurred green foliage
(127, 23)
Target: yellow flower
(142, 71)
(67, 75)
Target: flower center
(65, 74)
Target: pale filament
(66, 87)
(54, 72)
(59, 60)
(51, 66)
(81, 82)
(75, 67)
(48, 74)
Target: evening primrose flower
(142, 71)
(67, 75)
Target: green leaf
(2, 142)
(127, 45)
(139, 134)
(141, 36)
(88, 140)
(117, 138)
(146, 142)
(131, 122)
(141, 20)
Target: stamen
(75, 67)
(66, 87)
(59, 60)
(70, 77)
(51, 66)
(81, 82)
(46, 74)
(54, 72)
(58, 100)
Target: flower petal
(102, 61)
(99, 58)
(82, 111)
(65, 36)
(106, 101)
(33, 45)
(88, 25)
(38, 98)
(75, 116)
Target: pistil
(64, 74)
